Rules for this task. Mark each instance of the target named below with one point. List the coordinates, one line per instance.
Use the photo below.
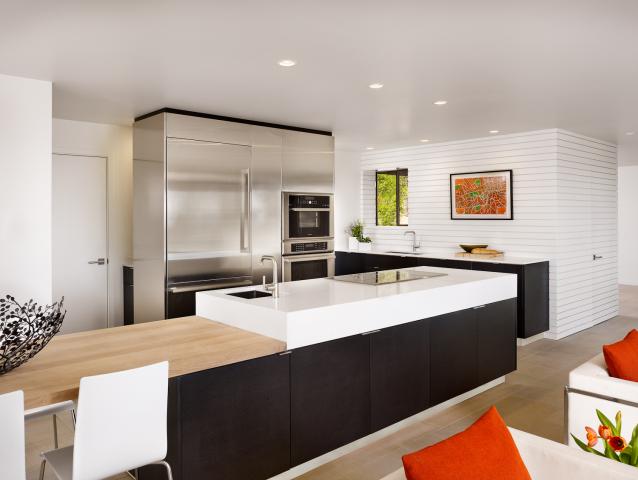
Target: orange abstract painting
(481, 195)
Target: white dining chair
(54, 410)
(120, 426)
(12, 463)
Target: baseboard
(521, 342)
(373, 437)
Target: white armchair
(590, 388)
(548, 460)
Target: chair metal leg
(42, 466)
(169, 472)
(55, 431)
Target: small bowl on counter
(469, 247)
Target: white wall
(627, 223)
(25, 188)
(564, 210)
(116, 144)
(347, 193)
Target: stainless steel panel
(288, 261)
(148, 219)
(201, 287)
(266, 199)
(197, 128)
(308, 162)
(285, 205)
(206, 221)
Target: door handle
(99, 261)
(597, 257)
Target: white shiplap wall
(564, 192)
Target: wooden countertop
(190, 344)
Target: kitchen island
(359, 359)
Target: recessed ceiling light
(494, 131)
(631, 133)
(287, 63)
(369, 148)
(376, 86)
(440, 102)
(424, 140)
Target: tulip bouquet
(615, 446)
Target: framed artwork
(481, 195)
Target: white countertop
(453, 256)
(318, 310)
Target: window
(392, 197)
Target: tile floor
(531, 399)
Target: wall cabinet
(330, 391)
(399, 373)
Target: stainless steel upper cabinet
(199, 128)
(207, 211)
(308, 162)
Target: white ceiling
(511, 65)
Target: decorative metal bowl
(26, 329)
(469, 248)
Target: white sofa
(548, 460)
(590, 388)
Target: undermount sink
(250, 294)
(403, 252)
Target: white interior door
(80, 271)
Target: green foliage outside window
(392, 198)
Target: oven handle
(307, 258)
(296, 209)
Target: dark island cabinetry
(255, 419)
(229, 423)
(399, 373)
(330, 390)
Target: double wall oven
(308, 236)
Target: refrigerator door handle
(245, 212)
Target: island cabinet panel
(453, 355)
(533, 294)
(235, 421)
(399, 373)
(496, 330)
(535, 300)
(347, 263)
(373, 262)
(330, 394)
(445, 263)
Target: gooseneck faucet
(274, 286)
(415, 246)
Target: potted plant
(356, 240)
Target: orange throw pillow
(484, 451)
(622, 357)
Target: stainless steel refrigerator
(207, 204)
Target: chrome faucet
(274, 286)
(415, 246)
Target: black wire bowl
(25, 329)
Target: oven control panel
(308, 247)
(309, 201)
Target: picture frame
(485, 195)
